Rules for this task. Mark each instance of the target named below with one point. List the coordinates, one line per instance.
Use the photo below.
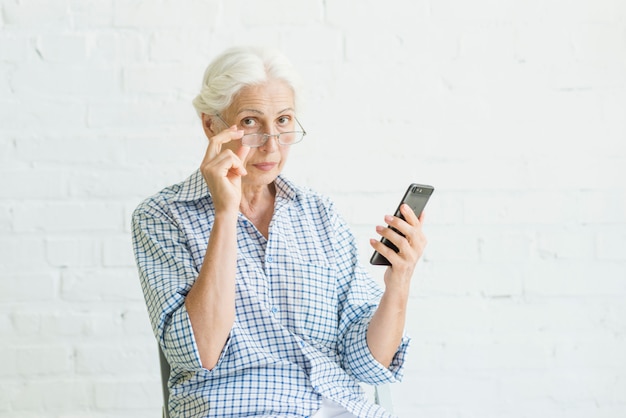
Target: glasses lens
(286, 138)
(253, 140)
(289, 138)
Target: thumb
(242, 153)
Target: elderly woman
(253, 284)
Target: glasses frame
(266, 137)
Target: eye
(284, 121)
(248, 123)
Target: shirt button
(274, 309)
(269, 259)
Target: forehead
(269, 98)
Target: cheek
(284, 153)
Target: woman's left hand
(411, 246)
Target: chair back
(165, 377)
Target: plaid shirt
(303, 305)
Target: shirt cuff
(362, 364)
(179, 343)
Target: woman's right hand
(223, 169)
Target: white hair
(237, 68)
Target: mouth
(265, 166)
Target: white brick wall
(513, 109)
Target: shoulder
(160, 203)
(304, 197)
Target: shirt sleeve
(359, 296)
(166, 272)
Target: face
(268, 109)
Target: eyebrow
(258, 112)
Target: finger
(383, 250)
(409, 214)
(242, 153)
(216, 142)
(391, 235)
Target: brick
(7, 149)
(33, 16)
(26, 323)
(128, 394)
(89, 14)
(566, 244)
(55, 79)
(56, 324)
(603, 207)
(53, 394)
(324, 43)
(68, 216)
(135, 321)
(611, 245)
(100, 285)
(483, 10)
(585, 353)
(72, 251)
(8, 363)
(6, 218)
(521, 209)
(61, 48)
(153, 115)
(14, 47)
(72, 149)
(28, 286)
(117, 360)
(185, 151)
(575, 279)
(162, 79)
(487, 43)
(33, 183)
(62, 114)
(8, 391)
(118, 252)
(44, 360)
(540, 42)
(584, 11)
(107, 47)
(445, 389)
(168, 14)
(282, 13)
(509, 247)
(461, 246)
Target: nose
(271, 142)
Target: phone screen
(416, 197)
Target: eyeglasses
(257, 139)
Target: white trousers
(332, 409)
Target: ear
(208, 126)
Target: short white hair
(239, 67)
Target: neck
(257, 204)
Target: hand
(223, 169)
(411, 246)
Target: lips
(265, 166)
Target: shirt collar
(195, 188)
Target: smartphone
(416, 197)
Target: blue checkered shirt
(303, 305)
